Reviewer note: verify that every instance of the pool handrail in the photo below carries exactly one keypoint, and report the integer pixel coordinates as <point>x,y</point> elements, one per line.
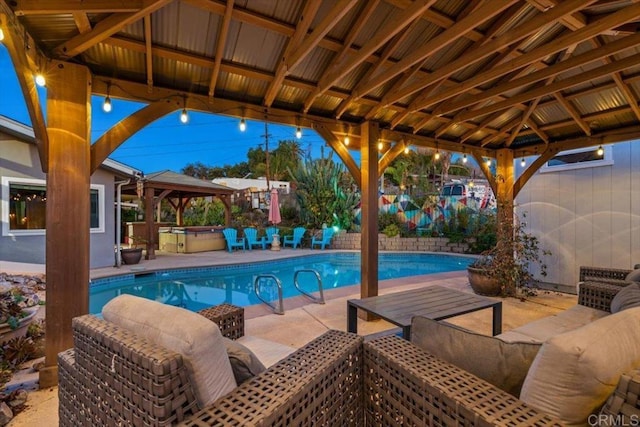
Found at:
<point>279,309</point>
<point>317,300</point>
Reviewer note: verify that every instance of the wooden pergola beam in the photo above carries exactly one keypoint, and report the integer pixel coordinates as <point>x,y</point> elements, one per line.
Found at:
<point>50,7</point>
<point>558,86</point>
<point>15,45</point>
<point>148,51</point>
<point>485,12</point>
<point>126,128</point>
<point>306,18</point>
<point>529,27</point>
<point>222,41</point>
<point>391,28</point>
<point>104,29</point>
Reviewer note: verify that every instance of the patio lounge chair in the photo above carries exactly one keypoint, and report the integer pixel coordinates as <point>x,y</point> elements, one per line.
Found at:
<point>251,234</point>
<point>114,376</point>
<point>233,241</point>
<point>327,234</point>
<point>269,232</point>
<point>295,240</point>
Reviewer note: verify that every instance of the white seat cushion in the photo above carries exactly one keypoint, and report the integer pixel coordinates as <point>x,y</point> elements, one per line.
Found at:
<point>268,352</point>
<point>575,372</point>
<point>196,338</point>
<point>543,329</point>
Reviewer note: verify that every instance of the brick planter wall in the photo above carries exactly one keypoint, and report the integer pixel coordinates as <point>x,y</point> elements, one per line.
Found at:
<point>351,241</point>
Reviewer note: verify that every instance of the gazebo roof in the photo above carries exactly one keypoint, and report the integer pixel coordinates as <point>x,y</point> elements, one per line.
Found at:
<point>468,75</point>
<point>172,183</point>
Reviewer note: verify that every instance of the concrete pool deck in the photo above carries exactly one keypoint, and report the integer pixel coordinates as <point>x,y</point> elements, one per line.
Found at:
<point>303,321</point>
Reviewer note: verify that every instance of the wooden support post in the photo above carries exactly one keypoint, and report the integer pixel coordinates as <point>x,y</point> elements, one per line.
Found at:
<point>148,219</point>
<point>68,209</point>
<point>369,133</point>
<point>505,179</point>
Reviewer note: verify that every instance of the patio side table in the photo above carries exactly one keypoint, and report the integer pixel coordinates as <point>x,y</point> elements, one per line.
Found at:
<point>433,302</point>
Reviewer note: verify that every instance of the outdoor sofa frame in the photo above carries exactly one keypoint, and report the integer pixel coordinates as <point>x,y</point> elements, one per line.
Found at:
<point>112,377</point>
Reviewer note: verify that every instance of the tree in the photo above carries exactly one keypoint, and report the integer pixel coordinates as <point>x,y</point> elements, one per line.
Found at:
<point>325,192</point>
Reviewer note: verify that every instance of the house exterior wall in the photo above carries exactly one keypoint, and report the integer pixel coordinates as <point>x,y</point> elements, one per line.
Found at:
<point>19,159</point>
<point>588,216</point>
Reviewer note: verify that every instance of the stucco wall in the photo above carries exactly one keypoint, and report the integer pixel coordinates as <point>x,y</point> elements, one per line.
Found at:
<point>19,159</point>
<point>587,216</point>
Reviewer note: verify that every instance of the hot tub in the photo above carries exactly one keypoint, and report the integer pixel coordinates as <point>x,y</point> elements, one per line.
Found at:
<point>186,240</point>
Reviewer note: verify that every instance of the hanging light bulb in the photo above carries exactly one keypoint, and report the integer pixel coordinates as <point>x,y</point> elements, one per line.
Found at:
<point>600,151</point>
<point>406,149</point>
<point>523,162</point>
<point>346,140</point>
<point>106,105</point>
<point>40,80</point>
<point>243,125</point>
<point>298,132</point>
<point>488,163</point>
<point>437,155</point>
<point>464,158</point>
<point>184,117</point>
<point>1,35</point>
<point>380,145</point>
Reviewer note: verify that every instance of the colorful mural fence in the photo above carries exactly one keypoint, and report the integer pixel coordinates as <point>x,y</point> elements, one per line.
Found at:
<point>432,212</point>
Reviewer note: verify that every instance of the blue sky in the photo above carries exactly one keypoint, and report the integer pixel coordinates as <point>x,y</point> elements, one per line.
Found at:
<point>166,143</point>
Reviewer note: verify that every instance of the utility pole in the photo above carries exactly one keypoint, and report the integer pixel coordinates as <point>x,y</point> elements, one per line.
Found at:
<point>266,143</point>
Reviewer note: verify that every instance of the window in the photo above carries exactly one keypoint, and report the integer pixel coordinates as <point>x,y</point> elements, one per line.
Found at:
<point>24,204</point>
<point>579,159</point>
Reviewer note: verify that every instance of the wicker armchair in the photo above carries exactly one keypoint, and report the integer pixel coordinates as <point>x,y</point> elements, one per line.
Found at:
<point>615,276</point>
<point>113,377</point>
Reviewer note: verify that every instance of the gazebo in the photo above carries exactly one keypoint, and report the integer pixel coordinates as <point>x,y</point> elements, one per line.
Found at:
<point>492,79</point>
<point>178,190</point>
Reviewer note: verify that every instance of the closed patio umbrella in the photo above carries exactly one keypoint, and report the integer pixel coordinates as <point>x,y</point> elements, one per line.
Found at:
<point>274,217</point>
<point>274,208</point>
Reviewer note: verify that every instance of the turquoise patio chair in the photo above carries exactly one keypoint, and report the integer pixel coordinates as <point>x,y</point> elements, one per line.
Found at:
<point>251,234</point>
<point>233,241</point>
<point>327,234</point>
<point>295,240</point>
<point>270,232</point>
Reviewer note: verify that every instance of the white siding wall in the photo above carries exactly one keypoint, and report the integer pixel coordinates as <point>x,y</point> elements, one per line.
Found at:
<point>587,216</point>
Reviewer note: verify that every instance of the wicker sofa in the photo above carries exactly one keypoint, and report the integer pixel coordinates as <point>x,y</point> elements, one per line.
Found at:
<point>337,379</point>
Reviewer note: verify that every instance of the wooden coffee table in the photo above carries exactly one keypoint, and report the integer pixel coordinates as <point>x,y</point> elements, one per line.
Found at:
<point>433,302</point>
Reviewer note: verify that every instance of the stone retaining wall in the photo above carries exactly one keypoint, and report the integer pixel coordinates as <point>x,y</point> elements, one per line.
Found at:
<point>420,244</point>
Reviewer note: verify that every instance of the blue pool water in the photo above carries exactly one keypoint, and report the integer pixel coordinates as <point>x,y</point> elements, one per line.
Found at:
<point>198,288</point>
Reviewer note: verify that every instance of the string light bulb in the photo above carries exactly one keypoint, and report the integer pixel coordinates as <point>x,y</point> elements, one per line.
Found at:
<point>184,117</point>
<point>406,149</point>
<point>106,105</point>
<point>488,163</point>
<point>40,80</point>
<point>523,162</point>
<point>464,158</point>
<point>380,145</point>
<point>347,140</point>
<point>600,151</point>
<point>298,132</point>
<point>1,35</point>
<point>243,125</point>
<point>437,156</point>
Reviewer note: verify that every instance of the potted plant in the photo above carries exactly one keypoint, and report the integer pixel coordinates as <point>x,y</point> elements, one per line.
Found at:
<point>17,310</point>
<point>132,255</point>
<point>504,269</point>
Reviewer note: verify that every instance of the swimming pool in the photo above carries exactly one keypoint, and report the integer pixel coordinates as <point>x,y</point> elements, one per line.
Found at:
<point>198,288</point>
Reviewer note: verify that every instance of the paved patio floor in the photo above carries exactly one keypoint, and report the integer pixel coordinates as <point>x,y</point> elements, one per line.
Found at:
<point>303,321</point>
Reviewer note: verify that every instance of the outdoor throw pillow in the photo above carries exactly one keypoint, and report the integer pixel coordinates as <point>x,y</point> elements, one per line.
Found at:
<point>196,338</point>
<point>627,297</point>
<point>575,372</point>
<point>244,362</point>
<point>503,364</point>
<point>634,276</point>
